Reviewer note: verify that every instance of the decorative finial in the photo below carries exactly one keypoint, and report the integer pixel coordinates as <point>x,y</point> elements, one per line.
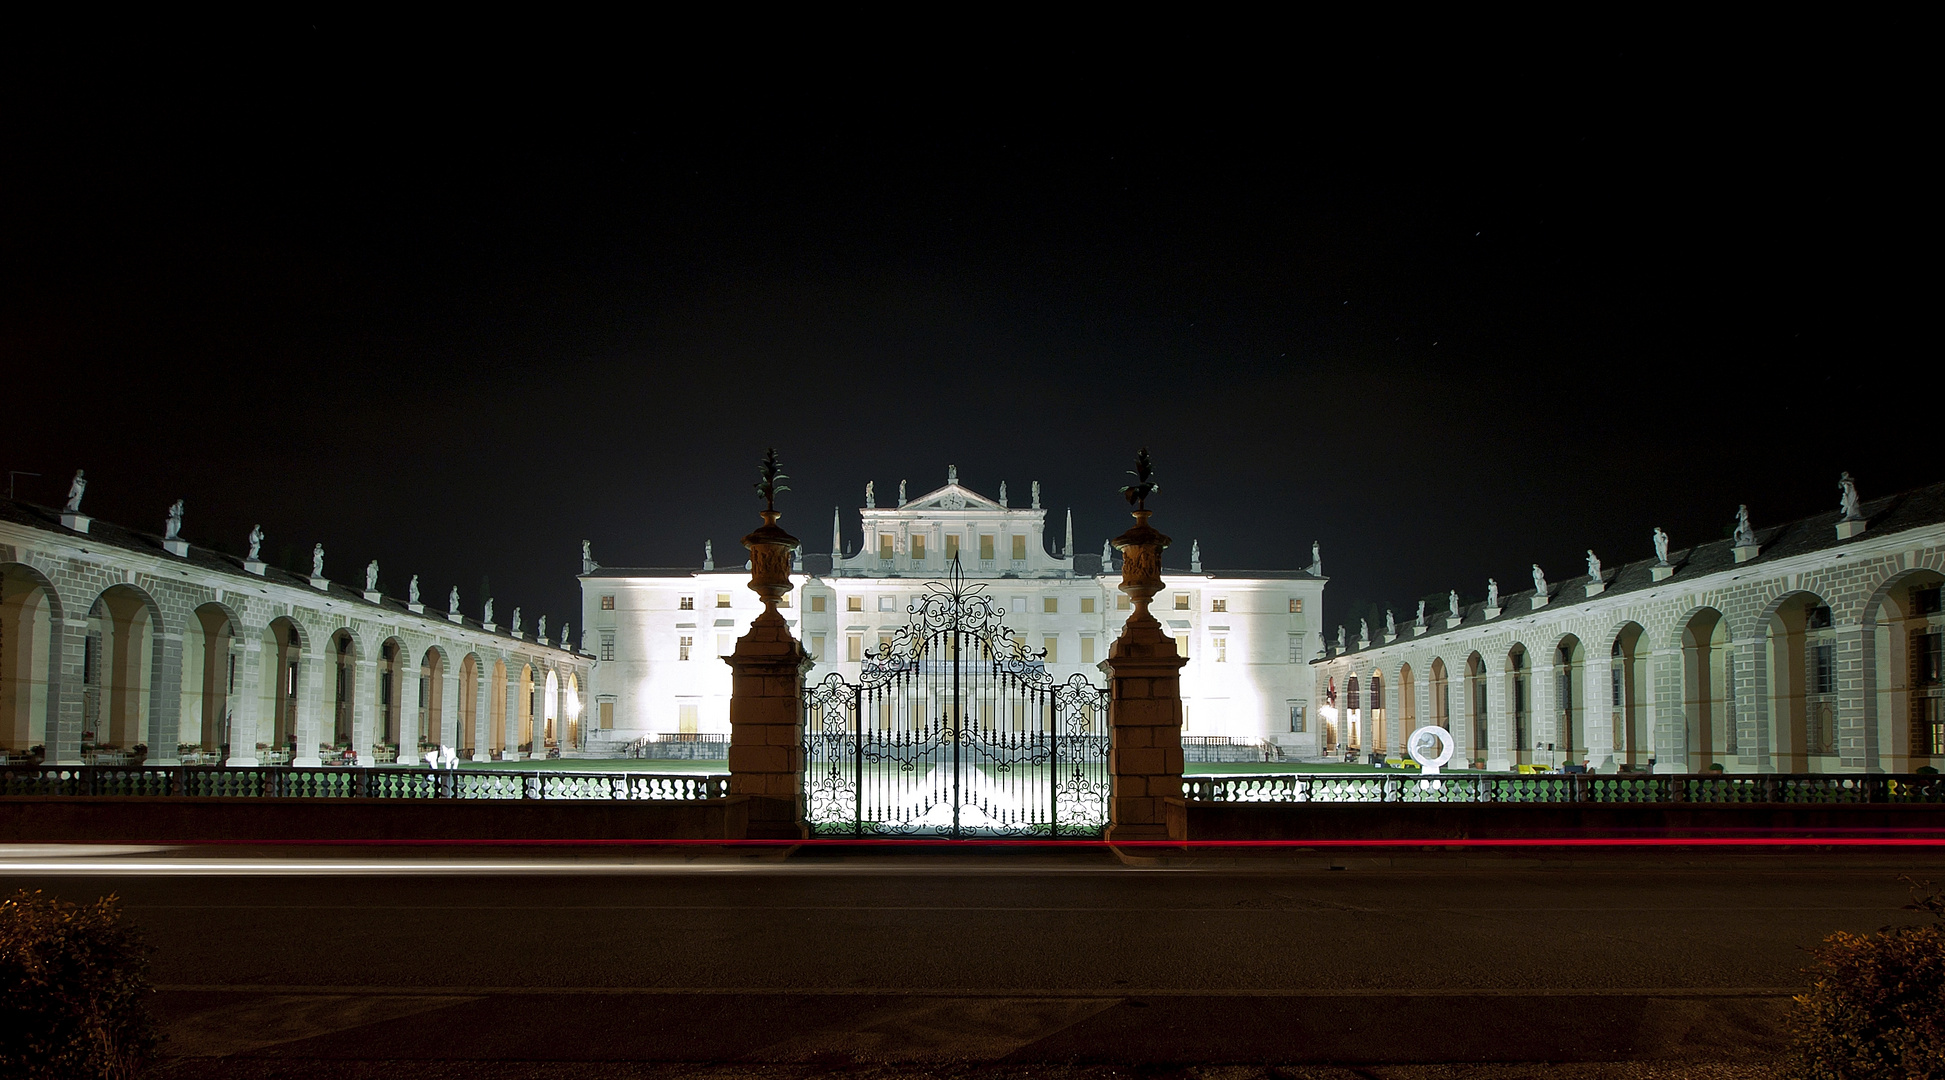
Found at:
<point>1137,493</point>
<point>770,479</point>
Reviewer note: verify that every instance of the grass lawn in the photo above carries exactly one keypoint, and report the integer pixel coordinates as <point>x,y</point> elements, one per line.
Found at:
<point>600,765</point>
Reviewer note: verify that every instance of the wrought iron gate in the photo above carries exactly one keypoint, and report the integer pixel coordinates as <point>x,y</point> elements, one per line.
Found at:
<point>956,729</point>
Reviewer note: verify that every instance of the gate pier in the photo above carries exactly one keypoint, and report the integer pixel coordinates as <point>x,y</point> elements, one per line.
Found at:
<point>1145,704</point>
<point>766,733</point>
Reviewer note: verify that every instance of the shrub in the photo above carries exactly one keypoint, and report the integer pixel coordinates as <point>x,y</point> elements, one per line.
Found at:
<point>1876,1005</point>
<point>73,991</point>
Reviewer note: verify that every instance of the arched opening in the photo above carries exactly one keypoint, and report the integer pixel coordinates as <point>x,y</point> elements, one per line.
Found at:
<point>550,711</point>
<point>496,710</point>
<point>1519,686</point>
<point>282,676</point>
<point>1628,685</point>
<point>388,736</point>
<point>1353,715</point>
<point>1907,619</point>
<point>209,686</point>
<point>1375,719</point>
<point>1708,704</point>
<point>1569,711</point>
<point>28,614</point>
<point>1802,643</point>
<point>469,679</point>
<point>1407,706</point>
<point>1441,695</point>
<point>118,666</point>
<point>527,691</point>
<point>573,707</point>
<point>344,664</point>
<point>1476,705</point>
<point>432,702</point>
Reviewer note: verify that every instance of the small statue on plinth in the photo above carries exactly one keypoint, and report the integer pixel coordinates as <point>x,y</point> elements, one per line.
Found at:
<point>486,616</point>
<point>902,500</point>
<point>1847,503</point>
<point>516,622</point>
<point>317,560</point>
<point>1539,582</point>
<point>871,495</point>
<point>412,590</point>
<point>1492,592</point>
<point>1420,623</point>
<point>1316,559</point>
<point>540,628</point>
<point>1390,624</point>
<point>371,576</point>
<point>587,557</point>
<point>1452,603</point>
<point>256,542</point>
<point>1340,637</point>
<point>1002,493</point>
<point>172,529</point>
<point>952,474</point>
<point>1661,546</point>
<point>1195,556</point>
<point>1745,532</point>
<point>76,488</point>
<point>1036,494</point>
<point>1593,565</point>
<point>452,600</point>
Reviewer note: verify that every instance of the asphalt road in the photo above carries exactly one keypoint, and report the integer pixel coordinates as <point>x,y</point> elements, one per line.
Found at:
<point>831,961</point>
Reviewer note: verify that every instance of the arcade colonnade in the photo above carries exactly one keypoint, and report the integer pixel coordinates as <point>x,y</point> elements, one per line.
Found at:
<point>110,641</point>
<point>1824,660</point>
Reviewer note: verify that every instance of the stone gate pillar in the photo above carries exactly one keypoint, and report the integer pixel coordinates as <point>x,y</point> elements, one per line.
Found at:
<point>766,704</point>
<point>1145,687</point>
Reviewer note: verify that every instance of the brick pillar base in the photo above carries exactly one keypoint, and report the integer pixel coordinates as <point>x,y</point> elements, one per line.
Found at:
<point>766,727</point>
<point>1145,725</point>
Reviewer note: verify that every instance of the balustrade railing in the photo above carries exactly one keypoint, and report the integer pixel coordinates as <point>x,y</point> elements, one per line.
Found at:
<point>353,783</point>
<point>1802,788</point>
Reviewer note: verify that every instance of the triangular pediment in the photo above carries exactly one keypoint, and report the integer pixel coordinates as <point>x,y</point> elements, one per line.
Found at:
<point>952,497</point>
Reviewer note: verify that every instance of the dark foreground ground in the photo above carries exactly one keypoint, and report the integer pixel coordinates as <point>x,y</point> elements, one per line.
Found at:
<point>414,964</point>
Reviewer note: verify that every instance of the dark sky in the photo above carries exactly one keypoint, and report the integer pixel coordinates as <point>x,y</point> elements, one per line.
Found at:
<point>1450,312</point>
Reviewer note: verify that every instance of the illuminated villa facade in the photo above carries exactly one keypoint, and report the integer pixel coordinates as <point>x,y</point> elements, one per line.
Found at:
<point>1813,646</point>
<point>657,633</point>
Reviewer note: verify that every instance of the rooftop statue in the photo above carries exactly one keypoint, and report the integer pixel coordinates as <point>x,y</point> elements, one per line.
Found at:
<point>256,542</point>
<point>1452,603</point>
<point>1745,533</point>
<point>1539,582</point>
<point>1107,555</point>
<point>452,599</point>
<point>412,590</point>
<point>708,554</point>
<point>565,627</point>
<point>173,527</point>
<point>1420,623</point>
<point>317,560</point>
<point>1661,546</point>
<point>1847,503</point>
<point>540,628</point>
<point>1195,556</point>
<point>1036,494</point>
<point>371,576</point>
<point>76,487</point>
<point>902,500</point>
<point>1316,559</point>
<point>516,622</point>
<point>1492,592</point>
<point>1340,639</point>
<point>1002,493</point>
<point>1363,632</point>
<point>1593,565</point>
<point>486,616</point>
<point>1390,624</point>
<point>871,495</point>
<point>587,557</point>
<point>952,474</point>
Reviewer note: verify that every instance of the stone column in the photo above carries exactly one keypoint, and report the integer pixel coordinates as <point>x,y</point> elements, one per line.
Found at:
<point>1755,748</point>
<point>246,704</point>
<point>1597,711</point>
<point>65,695</point>
<point>449,705</point>
<point>1145,707</point>
<point>316,701</point>
<point>1669,719</point>
<point>766,704</point>
<point>165,700</point>
<point>1543,714</point>
<point>364,709</point>
<point>1857,729</point>
<point>1500,752</point>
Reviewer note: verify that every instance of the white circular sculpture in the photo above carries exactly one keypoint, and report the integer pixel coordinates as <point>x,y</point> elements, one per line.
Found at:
<point>1421,741</point>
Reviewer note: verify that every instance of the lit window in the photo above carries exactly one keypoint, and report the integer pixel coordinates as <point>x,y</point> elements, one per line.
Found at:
<point>686,719</point>
<point>918,549</point>
<point>607,646</point>
<point>784,600</point>
<point>1296,605</point>
<point>884,644</point>
<point>1221,648</point>
<point>985,545</point>
<point>1296,648</point>
<point>607,715</point>
<point>951,548</point>
<point>888,603</point>
<point>608,603</point>
<point>1087,650</point>
<point>1050,605</point>
<point>1181,601</point>
<point>1087,605</point>
<point>1182,646</point>
<point>722,599</point>
<point>885,544</point>
<point>817,646</point>
<point>817,603</point>
<point>1019,547</point>
<point>854,647</point>
<point>683,647</point>
<point>1297,712</point>
<point>725,644</point>
<point>1052,645</point>
<point>1122,602</point>
<point>854,603</point>
<point>1219,605</point>
<point>687,603</point>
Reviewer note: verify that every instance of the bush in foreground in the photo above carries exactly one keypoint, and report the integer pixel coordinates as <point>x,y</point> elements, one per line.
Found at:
<point>1876,1005</point>
<point>73,991</point>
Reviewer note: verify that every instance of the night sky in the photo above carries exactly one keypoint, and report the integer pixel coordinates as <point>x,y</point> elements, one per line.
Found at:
<point>1450,318</point>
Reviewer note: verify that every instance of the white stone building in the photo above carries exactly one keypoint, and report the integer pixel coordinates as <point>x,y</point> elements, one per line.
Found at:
<point>1814,646</point>
<point>658,632</point>
<point>112,639</point>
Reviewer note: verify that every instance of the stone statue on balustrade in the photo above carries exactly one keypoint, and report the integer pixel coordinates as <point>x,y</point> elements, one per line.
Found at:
<point>172,528</point>
<point>256,542</point>
<point>412,590</point>
<point>1492,592</point>
<point>371,576</point>
<point>76,488</point>
<point>1745,532</point>
<point>317,560</point>
<point>1847,503</point>
<point>1661,546</point>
